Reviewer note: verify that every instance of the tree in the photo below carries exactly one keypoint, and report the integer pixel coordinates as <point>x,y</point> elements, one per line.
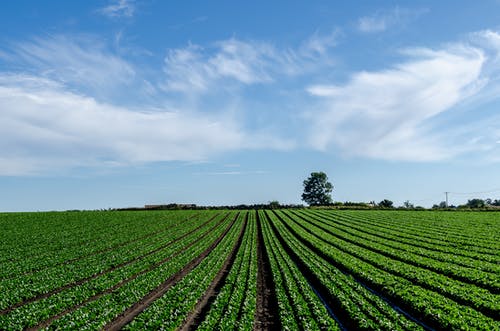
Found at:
<point>385,203</point>
<point>441,205</point>
<point>274,204</point>
<point>475,203</point>
<point>317,189</point>
<point>407,204</point>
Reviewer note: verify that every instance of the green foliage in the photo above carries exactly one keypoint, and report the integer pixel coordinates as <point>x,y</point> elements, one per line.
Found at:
<point>475,203</point>
<point>317,189</point>
<point>407,204</point>
<point>386,204</point>
<point>84,269</point>
<point>274,204</point>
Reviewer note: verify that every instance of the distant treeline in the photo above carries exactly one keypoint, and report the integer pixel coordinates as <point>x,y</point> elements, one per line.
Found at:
<point>472,204</point>
<point>176,206</point>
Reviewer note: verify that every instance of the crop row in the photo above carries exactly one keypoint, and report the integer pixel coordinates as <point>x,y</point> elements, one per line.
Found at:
<point>300,307</point>
<point>106,308</point>
<point>433,230</point>
<point>394,237</point>
<point>383,276</point>
<point>170,310</point>
<point>30,286</point>
<point>93,289</point>
<point>234,306</point>
<point>357,307</point>
<point>395,251</point>
<point>464,293</point>
<point>38,236</point>
<point>119,238</point>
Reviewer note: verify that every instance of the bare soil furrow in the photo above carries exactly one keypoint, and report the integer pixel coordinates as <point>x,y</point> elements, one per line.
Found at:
<point>86,279</point>
<point>117,286</point>
<point>196,316</point>
<point>266,314</point>
<point>128,315</point>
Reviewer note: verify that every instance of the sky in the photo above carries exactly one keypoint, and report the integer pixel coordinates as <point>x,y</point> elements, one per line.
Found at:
<point>119,103</point>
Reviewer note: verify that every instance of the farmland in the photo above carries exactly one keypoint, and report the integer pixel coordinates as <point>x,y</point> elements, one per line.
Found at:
<point>302,269</point>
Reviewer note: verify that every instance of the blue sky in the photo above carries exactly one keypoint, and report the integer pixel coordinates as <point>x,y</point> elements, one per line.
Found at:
<point>122,103</point>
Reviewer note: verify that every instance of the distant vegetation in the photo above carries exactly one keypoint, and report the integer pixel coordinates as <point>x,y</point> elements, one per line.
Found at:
<point>472,204</point>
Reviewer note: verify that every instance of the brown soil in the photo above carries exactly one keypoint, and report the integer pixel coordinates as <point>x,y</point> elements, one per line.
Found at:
<point>266,314</point>
<point>124,318</point>
<point>86,279</point>
<point>196,316</point>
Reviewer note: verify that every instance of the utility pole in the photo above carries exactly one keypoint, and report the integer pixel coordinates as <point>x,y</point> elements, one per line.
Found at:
<point>446,193</point>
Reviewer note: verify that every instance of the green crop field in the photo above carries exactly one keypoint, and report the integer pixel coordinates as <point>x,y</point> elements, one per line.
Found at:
<point>293,269</point>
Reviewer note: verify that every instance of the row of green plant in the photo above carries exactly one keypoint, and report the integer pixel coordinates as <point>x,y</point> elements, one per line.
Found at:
<point>134,232</point>
<point>406,253</point>
<point>170,311</point>
<point>393,235</point>
<point>47,233</point>
<point>91,290</point>
<point>465,293</point>
<point>461,230</point>
<point>381,275</point>
<point>98,313</point>
<point>32,285</point>
<point>299,307</point>
<point>235,304</point>
<point>357,307</point>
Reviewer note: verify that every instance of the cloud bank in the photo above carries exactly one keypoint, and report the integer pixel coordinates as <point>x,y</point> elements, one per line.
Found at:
<point>45,128</point>
<point>70,101</point>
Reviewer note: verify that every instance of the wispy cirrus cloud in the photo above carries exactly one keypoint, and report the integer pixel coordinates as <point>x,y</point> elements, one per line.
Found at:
<point>385,19</point>
<point>391,114</point>
<point>118,8</point>
<point>197,69</point>
<point>82,62</point>
<point>320,44</point>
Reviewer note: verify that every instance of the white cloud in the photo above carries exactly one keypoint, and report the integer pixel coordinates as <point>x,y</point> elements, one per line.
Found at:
<point>385,114</point>
<point>487,38</point>
<point>195,69</point>
<point>385,19</point>
<point>119,8</point>
<point>45,128</point>
<point>320,44</point>
<point>52,115</point>
<point>77,61</point>
<point>372,24</point>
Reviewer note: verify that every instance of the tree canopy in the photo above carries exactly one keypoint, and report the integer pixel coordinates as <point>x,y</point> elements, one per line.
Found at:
<point>317,189</point>
<point>386,203</point>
